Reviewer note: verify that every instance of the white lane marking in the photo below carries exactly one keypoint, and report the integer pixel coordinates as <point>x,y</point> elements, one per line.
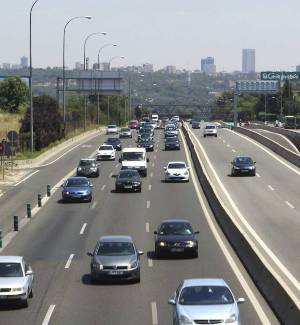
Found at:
<point>271,188</point>
<point>258,175</point>
<point>228,145</point>
<point>83,229</point>
<point>150,262</point>
<point>223,141</point>
<point>148,204</point>
<point>147,227</point>
<point>69,261</point>
<point>153,164</point>
<point>233,150</point>
<point>103,187</point>
<point>151,175</point>
<point>156,150</point>
<point>1,193</point>
<point>154,313</point>
<point>238,273</point>
<point>94,205</point>
<point>48,315</point>
<point>116,165</point>
<point>149,187</point>
<point>278,158</point>
<point>258,239</point>
<point>110,175</point>
<point>25,179</point>
<point>289,204</point>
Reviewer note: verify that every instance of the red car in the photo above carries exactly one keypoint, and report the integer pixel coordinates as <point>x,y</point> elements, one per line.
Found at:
<point>133,125</point>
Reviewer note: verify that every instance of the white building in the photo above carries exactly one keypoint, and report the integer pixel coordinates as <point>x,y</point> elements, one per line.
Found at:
<point>208,66</point>
<point>248,60</point>
<point>78,66</point>
<point>170,69</point>
<point>147,67</point>
<point>6,66</point>
<point>24,62</point>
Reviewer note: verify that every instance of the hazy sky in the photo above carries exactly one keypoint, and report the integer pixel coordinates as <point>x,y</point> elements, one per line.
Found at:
<point>163,32</point>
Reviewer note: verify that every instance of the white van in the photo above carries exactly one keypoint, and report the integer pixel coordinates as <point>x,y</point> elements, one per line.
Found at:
<point>135,158</point>
<point>154,117</point>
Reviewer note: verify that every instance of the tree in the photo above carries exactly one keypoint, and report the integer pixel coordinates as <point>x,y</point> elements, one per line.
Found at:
<point>47,121</point>
<point>13,94</point>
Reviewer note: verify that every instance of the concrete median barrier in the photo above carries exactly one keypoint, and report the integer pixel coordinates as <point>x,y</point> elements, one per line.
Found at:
<point>281,303</point>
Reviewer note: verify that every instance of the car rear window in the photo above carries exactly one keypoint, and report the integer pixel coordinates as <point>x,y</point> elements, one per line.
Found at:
<point>244,160</point>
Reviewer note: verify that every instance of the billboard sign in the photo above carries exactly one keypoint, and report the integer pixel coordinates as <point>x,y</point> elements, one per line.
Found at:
<point>257,87</point>
<point>280,76</point>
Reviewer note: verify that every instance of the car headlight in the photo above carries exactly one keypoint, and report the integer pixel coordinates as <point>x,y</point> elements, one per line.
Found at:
<point>168,174</point>
<point>235,167</point>
<point>251,167</point>
<point>94,169</point>
<point>186,173</point>
<point>231,319</point>
<point>67,193</point>
<point>133,265</point>
<point>79,168</point>
<point>136,183</point>
<point>18,289</point>
<point>97,266</point>
<point>162,244</point>
<point>185,320</point>
<point>190,243</point>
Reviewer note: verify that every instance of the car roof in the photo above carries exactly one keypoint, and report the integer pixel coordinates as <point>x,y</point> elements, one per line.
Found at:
<point>175,221</point>
<point>203,282</point>
<point>91,159</point>
<point>106,145</point>
<point>77,177</point>
<point>114,139</point>
<point>111,125</point>
<point>134,150</point>
<point>11,259</point>
<point>176,162</point>
<point>115,238</point>
<point>237,157</point>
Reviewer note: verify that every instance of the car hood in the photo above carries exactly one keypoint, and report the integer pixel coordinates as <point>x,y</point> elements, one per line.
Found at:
<point>180,171</point>
<point>207,312</point>
<point>175,237</point>
<point>105,152</point>
<point>13,282</point>
<point>77,189</point>
<point>128,179</point>
<point>115,260</point>
<point>138,163</point>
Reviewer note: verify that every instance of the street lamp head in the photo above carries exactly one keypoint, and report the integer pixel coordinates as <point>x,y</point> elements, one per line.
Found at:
<point>88,17</point>
<point>103,33</point>
<point>115,45</point>
<point>122,57</point>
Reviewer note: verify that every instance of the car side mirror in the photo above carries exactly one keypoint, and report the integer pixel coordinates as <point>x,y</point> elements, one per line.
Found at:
<point>240,301</point>
<point>62,185</point>
<point>140,253</point>
<point>165,168</point>
<point>91,185</point>
<point>114,176</point>
<point>120,160</point>
<point>90,254</point>
<point>29,272</point>
<point>172,302</point>
<point>254,162</point>
<point>148,160</point>
<point>197,232</point>
<point>155,232</point>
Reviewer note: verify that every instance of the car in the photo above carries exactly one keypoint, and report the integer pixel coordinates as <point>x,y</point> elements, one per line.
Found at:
<point>195,125</point>
<point>210,130</point>
<point>176,118</point>
<point>147,131</point>
<point>106,151</point>
<point>112,129</point>
<point>177,171</point>
<point>115,257</point>
<point>16,279</point>
<point>205,301</point>
<point>125,133</point>
<point>128,180</point>
<point>170,131</point>
<point>176,236</point>
<point>135,158</point>
<point>192,120</point>
<point>77,189</point>
<point>148,144</point>
<point>172,143</point>
<point>88,167</point>
<point>242,165</point>
<point>115,142</point>
<point>145,137</point>
<point>134,124</point>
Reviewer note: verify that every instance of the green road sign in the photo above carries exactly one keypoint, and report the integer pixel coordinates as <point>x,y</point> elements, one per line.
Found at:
<point>280,76</point>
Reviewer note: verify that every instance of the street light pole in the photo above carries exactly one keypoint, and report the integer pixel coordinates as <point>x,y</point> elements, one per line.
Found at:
<point>101,48</point>
<point>64,46</point>
<point>84,47</point>
<point>30,77</point>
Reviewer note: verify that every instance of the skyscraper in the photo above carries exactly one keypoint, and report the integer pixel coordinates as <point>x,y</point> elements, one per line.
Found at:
<point>208,65</point>
<point>24,62</point>
<point>248,60</point>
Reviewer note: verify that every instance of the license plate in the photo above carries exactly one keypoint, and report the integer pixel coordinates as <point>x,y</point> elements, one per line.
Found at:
<point>115,272</point>
<point>128,186</point>
<point>245,171</point>
<point>176,250</point>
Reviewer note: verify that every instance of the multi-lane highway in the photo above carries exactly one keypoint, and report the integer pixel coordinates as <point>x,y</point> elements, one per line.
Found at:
<point>55,243</point>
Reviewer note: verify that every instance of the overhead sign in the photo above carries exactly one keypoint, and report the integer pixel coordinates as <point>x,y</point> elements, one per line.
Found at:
<point>280,75</point>
<point>257,86</point>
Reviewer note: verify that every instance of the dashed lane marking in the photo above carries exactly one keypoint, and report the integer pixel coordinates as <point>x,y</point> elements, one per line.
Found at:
<point>103,187</point>
<point>69,261</point>
<point>48,315</point>
<point>148,204</point>
<point>150,262</point>
<point>271,188</point>
<point>149,187</point>
<point>147,227</point>
<point>289,204</point>
<point>83,228</point>
<point>154,313</point>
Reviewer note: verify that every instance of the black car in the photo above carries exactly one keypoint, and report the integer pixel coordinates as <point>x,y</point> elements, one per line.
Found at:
<point>172,143</point>
<point>195,125</point>
<point>115,142</point>
<point>243,166</point>
<point>176,236</point>
<point>148,144</point>
<point>145,137</point>
<point>88,168</point>
<point>128,180</point>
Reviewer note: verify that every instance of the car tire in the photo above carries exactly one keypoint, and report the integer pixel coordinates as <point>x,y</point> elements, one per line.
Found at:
<point>97,174</point>
<point>145,173</point>
<point>24,303</point>
<point>204,136</point>
<point>140,190</point>
<point>138,278</point>
<point>31,294</point>
<point>195,254</point>
<point>90,199</point>
<point>216,135</point>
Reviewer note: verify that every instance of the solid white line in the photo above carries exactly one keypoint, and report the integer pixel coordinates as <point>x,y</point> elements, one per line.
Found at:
<point>147,227</point>
<point>150,262</point>
<point>289,204</point>
<point>238,273</point>
<point>110,175</point>
<point>271,188</point>
<point>257,175</point>
<point>25,179</point>
<point>228,145</point>
<point>48,315</point>
<point>154,313</point>
<point>151,175</point>
<point>69,261</point>
<point>94,205</point>
<point>83,228</point>
<point>150,187</point>
<point>148,204</point>
<point>116,165</point>
<point>103,187</point>
<point>233,150</point>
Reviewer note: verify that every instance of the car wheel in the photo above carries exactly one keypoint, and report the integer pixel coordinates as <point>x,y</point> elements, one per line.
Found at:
<point>145,174</point>
<point>140,189</point>
<point>31,293</point>
<point>116,190</point>
<point>195,254</point>
<point>232,173</point>
<point>138,278</point>
<point>90,199</point>
<point>25,303</point>
<point>97,174</point>
<point>204,135</point>
<point>216,135</point>
<point>254,174</point>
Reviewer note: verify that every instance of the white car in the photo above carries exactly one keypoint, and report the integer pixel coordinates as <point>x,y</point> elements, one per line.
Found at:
<point>210,130</point>
<point>112,129</point>
<point>106,151</point>
<point>177,171</point>
<point>16,279</point>
<point>125,133</point>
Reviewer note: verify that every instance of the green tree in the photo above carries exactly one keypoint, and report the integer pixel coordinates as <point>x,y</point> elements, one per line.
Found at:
<point>13,94</point>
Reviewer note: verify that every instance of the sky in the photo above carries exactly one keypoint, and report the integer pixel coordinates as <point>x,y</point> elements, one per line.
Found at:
<point>162,32</point>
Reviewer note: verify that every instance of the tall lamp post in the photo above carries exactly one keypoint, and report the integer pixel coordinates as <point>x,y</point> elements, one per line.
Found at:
<point>64,47</point>
<point>30,77</point>
<point>101,48</point>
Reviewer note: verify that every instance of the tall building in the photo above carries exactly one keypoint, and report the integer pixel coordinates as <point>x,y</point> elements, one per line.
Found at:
<point>24,62</point>
<point>147,67</point>
<point>298,68</point>
<point>78,66</point>
<point>248,60</point>
<point>170,69</point>
<point>208,65</point>
<point>6,66</point>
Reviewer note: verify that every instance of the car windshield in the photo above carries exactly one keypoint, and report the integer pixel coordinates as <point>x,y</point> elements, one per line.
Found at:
<point>128,174</point>
<point>176,166</point>
<point>206,295</point>
<point>10,270</point>
<point>210,127</point>
<point>112,140</point>
<point>125,130</point>
<point>77,182</point>
<point>243,161</point>
<point>84,163</point>
<point>115,249</point>
<point>176,228</point>
<point>112,126</point>
<point>133,156</point>
<point>106,148</point>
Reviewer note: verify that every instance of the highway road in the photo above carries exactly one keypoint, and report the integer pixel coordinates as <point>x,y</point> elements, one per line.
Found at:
<point>269,202</point>
<point>55,243</point>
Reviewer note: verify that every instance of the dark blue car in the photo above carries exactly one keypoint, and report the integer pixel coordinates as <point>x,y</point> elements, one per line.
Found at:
<point>243,166</point>
<point>77,189</point>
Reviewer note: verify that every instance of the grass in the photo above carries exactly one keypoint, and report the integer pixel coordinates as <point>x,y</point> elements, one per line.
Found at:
<point>9,122</point>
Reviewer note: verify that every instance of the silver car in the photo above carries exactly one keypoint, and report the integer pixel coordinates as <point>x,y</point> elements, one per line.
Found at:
<point>205,301</point>
<point>16,279</point>
<point>115,257</point>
